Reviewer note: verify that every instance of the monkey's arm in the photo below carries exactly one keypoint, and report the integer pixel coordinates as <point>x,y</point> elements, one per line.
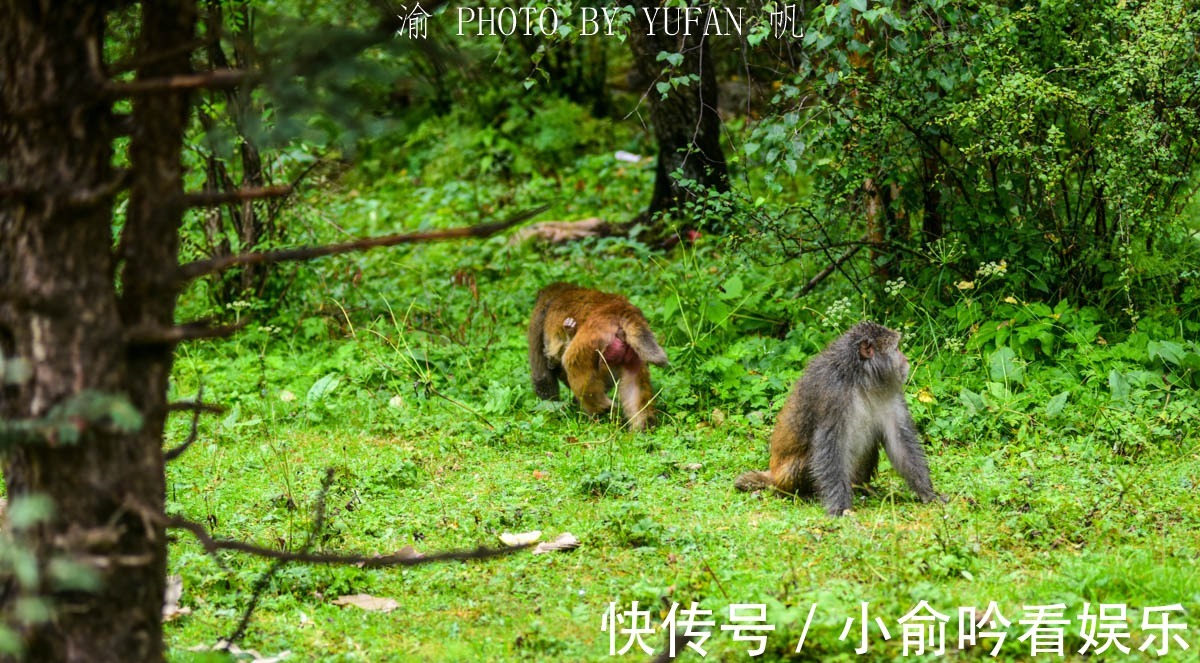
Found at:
<point>545,380</point>
<point>904,451</point>
<point>587,377</point>
<point>829,469</point>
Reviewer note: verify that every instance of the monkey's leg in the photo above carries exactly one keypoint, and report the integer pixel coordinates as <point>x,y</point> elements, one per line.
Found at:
<point>545,382</point>
<point>829,471</point>
<point>905,453</point>
<point>636,396</point>
<point>787,475</point>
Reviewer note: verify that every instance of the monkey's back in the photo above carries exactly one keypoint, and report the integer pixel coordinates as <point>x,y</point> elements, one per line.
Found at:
<point>822,394</point>
<point>597,315</point>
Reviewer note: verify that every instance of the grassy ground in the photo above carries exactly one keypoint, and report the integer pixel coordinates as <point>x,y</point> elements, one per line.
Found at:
<point>438,442</point>
<point>1065,442</point>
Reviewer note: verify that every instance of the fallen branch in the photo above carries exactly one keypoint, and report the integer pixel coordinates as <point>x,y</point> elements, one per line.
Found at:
<point>211,545</point>
<point>560,232</point>
<point>147,335</point>
<point>214,265</point>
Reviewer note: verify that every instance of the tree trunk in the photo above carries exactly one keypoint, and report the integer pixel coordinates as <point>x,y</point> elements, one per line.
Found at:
<point>686,124</point>
<point>65,313</point>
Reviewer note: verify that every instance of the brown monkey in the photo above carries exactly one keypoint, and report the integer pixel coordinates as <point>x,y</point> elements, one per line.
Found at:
<point>849,401</point>
<point>591,340</point>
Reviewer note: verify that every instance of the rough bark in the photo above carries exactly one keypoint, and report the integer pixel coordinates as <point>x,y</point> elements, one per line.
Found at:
<point>107,488</point>
<point>686,124</point>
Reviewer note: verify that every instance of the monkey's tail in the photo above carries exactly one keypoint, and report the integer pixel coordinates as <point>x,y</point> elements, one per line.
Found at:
<point>753,481</point>
<point>642,339</point>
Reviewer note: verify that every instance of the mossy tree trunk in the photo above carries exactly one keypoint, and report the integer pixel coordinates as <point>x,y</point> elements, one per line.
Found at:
<point>685,121</point>
<point>81,311</point>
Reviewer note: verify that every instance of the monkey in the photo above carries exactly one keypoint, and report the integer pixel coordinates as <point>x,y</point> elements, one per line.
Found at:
<point>591,340</point>
<point>848,402</point>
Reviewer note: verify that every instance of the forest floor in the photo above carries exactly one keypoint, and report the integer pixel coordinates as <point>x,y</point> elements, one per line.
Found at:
<point>415,391</point>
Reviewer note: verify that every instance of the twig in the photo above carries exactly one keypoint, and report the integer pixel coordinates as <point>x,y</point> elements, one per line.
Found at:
<point>188,406</point>
<point>213,265</point>
<point>717,580</point>
<point>196,411</point>
<point>829,269</point>
<point>261,584</point>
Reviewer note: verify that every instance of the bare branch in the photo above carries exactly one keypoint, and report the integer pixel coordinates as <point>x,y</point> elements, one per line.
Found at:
<point>82,199</point>
<point>143,60</point>
<point>214,265</point>
<point>194,406</point>
<point>829,269</point>
<point>215,198</point>
<point>369,561</point>
<point>260,585</point>
<point>149,335</point>
<point>224,78</point>
<point>195,432</point>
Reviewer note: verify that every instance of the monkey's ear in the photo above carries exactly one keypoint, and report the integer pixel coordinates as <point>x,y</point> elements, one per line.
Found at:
<point>866,349</point>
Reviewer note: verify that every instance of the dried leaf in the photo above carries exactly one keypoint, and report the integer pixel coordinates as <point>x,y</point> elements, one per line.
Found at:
<point>408,552</point>
<point>242,654</point>
<point>558,232</point>
<point>174,592</point>
<point>368,602</point>
<point>522,539</point>
<point>565,541</point>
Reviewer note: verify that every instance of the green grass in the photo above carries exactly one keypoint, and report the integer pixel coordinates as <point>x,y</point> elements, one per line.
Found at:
<point>1064,439</point>
<point>1052,517</point>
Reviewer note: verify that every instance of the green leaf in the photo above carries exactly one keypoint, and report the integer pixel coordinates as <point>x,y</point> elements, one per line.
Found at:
<point>322,388</point>
<point>1118,385</point>
<point>27,511</point>
<point>733,287</point>
<point>125,418</point>
<point>858,5</point>
<point>674,59</point>
<point>14,370</point>
<point>71,575</point>
<point>1168,351</point>
<point>1055,405</point>
<point>717,312</point>
<point>973,401</point>
<point>1003,367</point>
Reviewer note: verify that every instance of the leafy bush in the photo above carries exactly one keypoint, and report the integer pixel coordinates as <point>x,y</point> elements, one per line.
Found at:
<point>1059,137</point>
